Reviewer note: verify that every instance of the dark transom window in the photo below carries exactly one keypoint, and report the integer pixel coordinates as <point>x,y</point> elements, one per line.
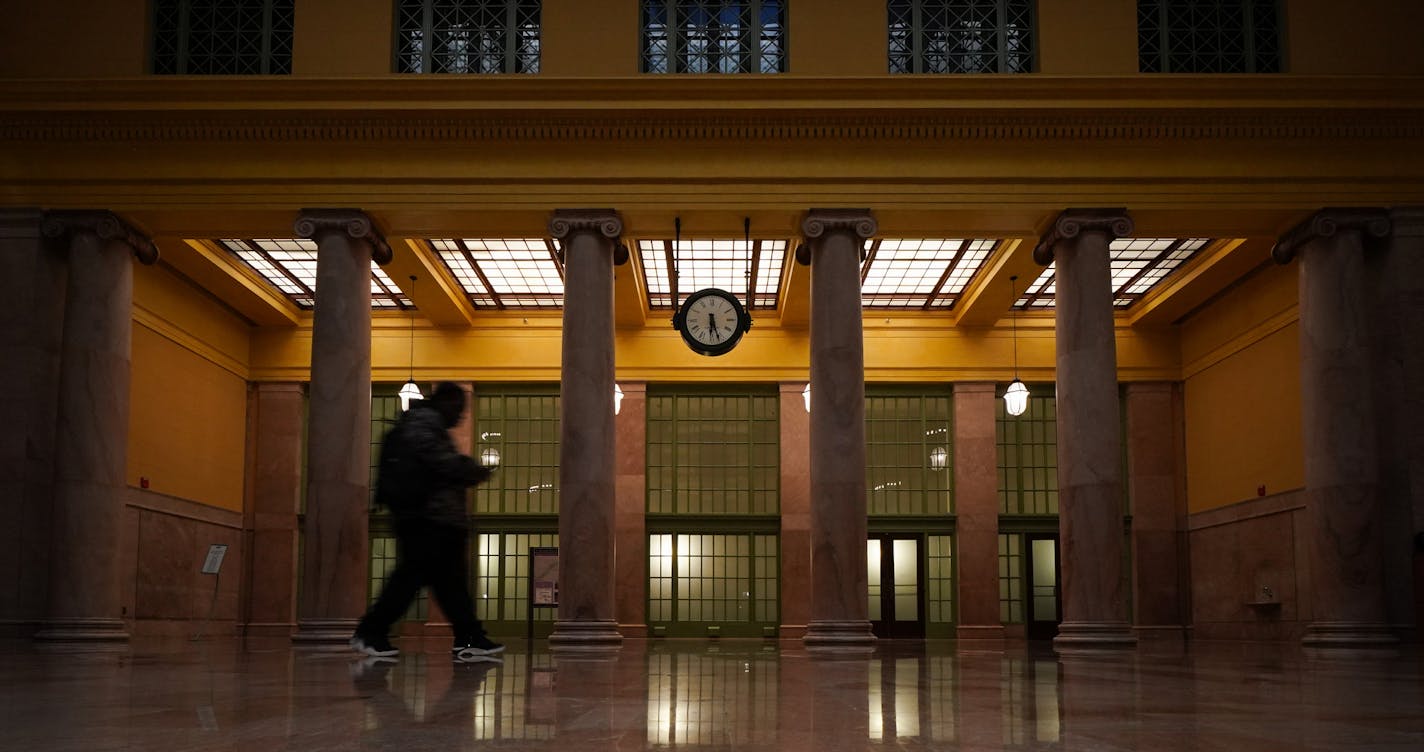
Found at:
<point>467,36</point>
<point>714,36</point>
<point>961,36</point>
<point>1208,36</point>
<point>222,37</point>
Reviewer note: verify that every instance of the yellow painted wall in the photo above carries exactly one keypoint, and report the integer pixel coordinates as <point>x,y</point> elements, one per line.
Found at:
<point>188,392</point>
<point>1359,37</point>
<point>343,38</point>
<point>1087,37</point>
<point>84,39</point>
<point>837,37</point>
<point>1242,393</point>
<point>583,38</point>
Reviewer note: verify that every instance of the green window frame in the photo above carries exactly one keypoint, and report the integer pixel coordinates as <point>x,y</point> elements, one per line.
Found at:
<point>500,580</point>
<point>1011,578</point>
<point>713,453</point>
<point>717,583</point>
<point>1028,455</point>
<point>521,423</point>
<point>909,464</point>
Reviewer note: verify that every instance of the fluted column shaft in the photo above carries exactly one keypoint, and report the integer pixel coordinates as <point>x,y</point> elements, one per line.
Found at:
<point>976,507</point>
<point>1090,507</point>
<point>834,241</point>
<point>336,545</point>
<point>1338,426</point>
<point>587,608</point>
<point>91,434</point>
<point>31,330</point>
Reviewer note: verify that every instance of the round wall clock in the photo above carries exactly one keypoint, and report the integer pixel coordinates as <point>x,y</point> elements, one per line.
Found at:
<point>712,321</point>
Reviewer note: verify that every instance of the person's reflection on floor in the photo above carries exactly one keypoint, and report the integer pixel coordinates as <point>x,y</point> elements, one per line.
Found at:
<point>392,724</point>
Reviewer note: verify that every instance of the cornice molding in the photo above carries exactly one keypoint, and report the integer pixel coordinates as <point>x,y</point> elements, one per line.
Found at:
<point>105,224</point>
<point>353,222</point>
<point>1074,222</point>
<point>1326,223</point>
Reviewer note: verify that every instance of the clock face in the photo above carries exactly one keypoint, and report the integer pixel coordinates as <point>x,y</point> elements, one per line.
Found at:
<point>712,321</point>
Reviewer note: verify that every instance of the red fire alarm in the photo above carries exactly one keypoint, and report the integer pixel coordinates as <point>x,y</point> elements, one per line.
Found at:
<point>142,482</point>
<point>1260,490</point>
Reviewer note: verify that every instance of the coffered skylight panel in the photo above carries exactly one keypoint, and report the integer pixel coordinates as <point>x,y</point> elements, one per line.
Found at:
<point>1136,266</point>
<point>712,262</point>
<point>920,273</point>
<point>289,264</point>
<point>505,272</point>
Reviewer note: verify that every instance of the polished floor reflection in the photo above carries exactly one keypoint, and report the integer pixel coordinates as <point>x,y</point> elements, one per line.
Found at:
<point>711,695</point>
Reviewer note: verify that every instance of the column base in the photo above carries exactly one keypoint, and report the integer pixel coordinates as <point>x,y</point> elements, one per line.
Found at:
<point>1349,635</point>
<point>839,636</point>
<point>324,634</point>
<point>82,630</point>
<point>980,636</point>
<point>586,636</point>
<point>1094,636</point>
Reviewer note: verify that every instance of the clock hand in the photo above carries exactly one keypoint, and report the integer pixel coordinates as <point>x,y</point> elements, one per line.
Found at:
<point>712,324</point>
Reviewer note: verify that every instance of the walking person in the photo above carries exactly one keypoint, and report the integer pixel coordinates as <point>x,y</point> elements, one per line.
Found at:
<point>422,480</point>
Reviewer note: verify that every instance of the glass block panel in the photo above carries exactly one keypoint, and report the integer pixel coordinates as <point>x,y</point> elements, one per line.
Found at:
<point>467,36</point>
<point>1208,36</point>
<point>523,427</point>
<point>909,465</point>
<point>713,36</point>
<point>713,454</point>
<point>960,36</point>
<point>222,37</point>
<point>1028,455</point>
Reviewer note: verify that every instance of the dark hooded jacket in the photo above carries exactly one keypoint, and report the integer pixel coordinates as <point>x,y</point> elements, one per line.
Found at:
<point>422,475</point>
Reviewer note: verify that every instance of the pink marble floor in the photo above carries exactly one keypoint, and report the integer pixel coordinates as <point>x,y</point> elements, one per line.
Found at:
<point>710,695</point>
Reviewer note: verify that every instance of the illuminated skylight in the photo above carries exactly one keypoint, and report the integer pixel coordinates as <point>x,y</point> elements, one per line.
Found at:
<point>289,264</point>
<point>1137,265</point>
<point>920,273</point>
<point>505,272</point>
<point>721,263</point>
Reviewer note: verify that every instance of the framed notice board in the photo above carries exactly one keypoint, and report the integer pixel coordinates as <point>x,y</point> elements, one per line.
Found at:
<point>543,580</point>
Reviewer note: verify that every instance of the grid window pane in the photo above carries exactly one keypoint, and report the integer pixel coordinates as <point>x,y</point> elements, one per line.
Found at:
<point>960,36</point>
<point>523,428</point>
<point>1011,578</point>
<point>1028,456</point>
<point>1208,36</point>
<point>290,265</point>
<point>467,36</point>
<point>1136,265</point>
<point>222,37</point>
<point>920,273</point>
<point>940,570</point>
<point>713,36</point>
<point>707,262</point>
<point>501,577</point>
<point>908,454</point>
<point>505,272</point>
<point>713,454</point>
<point>703,579</point>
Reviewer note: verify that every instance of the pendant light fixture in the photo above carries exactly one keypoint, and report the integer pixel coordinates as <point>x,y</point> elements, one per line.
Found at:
<point>410,391</point>
<point>1016,396</point>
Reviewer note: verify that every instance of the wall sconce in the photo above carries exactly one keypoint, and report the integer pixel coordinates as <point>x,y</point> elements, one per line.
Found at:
<point>489,457</point>
<point>806,395</point>
<point>617,398</point>
<point>939,457</point>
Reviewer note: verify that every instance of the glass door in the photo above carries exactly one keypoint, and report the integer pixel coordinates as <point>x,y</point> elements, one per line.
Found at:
<point>1044,597</point>
<point>894,569</point>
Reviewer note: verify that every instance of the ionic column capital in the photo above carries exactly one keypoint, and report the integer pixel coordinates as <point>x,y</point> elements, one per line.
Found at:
<point>353,222</point>
<point>1327,223</point>
<point>605,222</point>
<point>1074,222</point>
<point>859,222</point>
<point>105,224</point>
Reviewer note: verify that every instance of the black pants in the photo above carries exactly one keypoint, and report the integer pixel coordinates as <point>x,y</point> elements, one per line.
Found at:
<point>433,555</point>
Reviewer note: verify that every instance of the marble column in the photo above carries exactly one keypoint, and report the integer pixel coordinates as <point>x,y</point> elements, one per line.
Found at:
<point>834,249</point>
<point>92,428</point>
<point>1156,489</point>
<point>274,485</point>
<point>976,508</point>
<point>1396,285</point>
<point>795,510</point>
<point>587,617</point>
<point>31,329</point>
<point>1090,510</point>
<point>1338,426</point>
<point>336,541</point>
<point>631,510</point>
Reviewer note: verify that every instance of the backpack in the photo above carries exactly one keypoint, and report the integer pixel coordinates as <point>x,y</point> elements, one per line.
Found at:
<point>401,485</point>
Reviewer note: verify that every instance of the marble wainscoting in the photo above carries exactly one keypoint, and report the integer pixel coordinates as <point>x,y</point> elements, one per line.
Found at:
<point>1250,570</point>
<point>165,540</point>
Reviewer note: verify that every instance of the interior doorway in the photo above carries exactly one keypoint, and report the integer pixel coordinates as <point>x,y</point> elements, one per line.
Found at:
<point>1044,608</point>
<point>895,569</point>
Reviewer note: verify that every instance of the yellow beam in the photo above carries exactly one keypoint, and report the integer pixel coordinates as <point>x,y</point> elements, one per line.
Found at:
<point>795,304</point>
<point>1221,264</point>
<point>227,278</point>
<point>435,293</point>
<point>986,299</point>
<point>630,292</point>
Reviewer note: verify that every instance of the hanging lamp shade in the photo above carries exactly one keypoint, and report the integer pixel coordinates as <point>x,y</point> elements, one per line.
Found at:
<point>1016,398</point>
<point>806,395</point>
<point>939,457</point>
<point>408,393</point>
<point>617,398</point>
